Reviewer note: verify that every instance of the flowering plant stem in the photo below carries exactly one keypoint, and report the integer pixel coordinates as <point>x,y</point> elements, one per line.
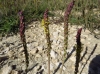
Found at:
<point>78,50</point>
<point>48,47</point>
<point>66,17</point>
<point>45,25</point>
<point>22,35</point>
<point>26,54</point>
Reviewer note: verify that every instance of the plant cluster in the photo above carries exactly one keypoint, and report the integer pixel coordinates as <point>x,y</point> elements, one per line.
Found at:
<point>45,24</point>
<point>35,8</point>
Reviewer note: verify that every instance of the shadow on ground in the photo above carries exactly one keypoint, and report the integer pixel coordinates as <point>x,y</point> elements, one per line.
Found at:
<point>64,61</point>
<point>89,58</point>
<point>94,67</point>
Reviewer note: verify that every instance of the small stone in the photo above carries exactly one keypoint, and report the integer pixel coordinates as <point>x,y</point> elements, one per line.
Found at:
<point>85,73</point>
<point>55,60</point>
<point>10,53</point>
<point>73,67</point>
<point>43,67</point>
<point>53,54</point>
<point>21,49</point>
<point>37,43</point>
<point>61,37</point>
<point>55,34</point>
<point>40,48</point>
<point>14,72</point>
<point>89,38</point>
<point>39,67</point>
<point>97,31</point>
<point>57,64</point>
<point>51,66</point>
<point>29,45</point>
<point>72,58</point>
<point>23,67</point>
<point>5,50</point>
<point>70,50</point>
<point>58,42</point>
<point>6,69</point>
<point>84,60</point>
<point>7,44</point>
<point>62,52</point>
<point>64,68</point>
<point>82,40</point>
<point>54,41</point>
<point>38,56</point>
<point>87,31</point>
<point>33,51</point>
<point>88,43</point>
<point>62,28</point>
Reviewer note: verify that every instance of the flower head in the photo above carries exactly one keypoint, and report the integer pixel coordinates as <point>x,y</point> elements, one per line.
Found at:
<point>68,10</point>
<point>22,25</point>
<point>46,15</point>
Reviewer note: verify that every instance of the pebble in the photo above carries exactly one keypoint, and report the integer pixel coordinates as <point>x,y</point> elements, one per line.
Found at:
<point>97,31</point>
<point>14,72</point>
<point>33,51</point>
<point>53,54</point>
<point>40,48</point>
<point>55,34</point>
<point>57,64</point>
<point>64,68</point>
<point>5,50</point>
<point>37,55</point>
<point>10,54</point>
<point>55,41</point>
<point>72,58</point>
<point>21,49</point>
<point>51,66</point>
<point>6,69</point>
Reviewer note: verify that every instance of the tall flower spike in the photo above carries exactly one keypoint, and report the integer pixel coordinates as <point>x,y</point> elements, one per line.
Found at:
<point>22,25</point>
<point>78,49</point>
<point>45,24</point>
<point>46,15</point>
<point>68,10</point>
<point>66,16</point>
<point>22,35</point>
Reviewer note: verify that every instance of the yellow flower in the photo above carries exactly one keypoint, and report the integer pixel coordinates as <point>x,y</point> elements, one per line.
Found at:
<point>43,22</point>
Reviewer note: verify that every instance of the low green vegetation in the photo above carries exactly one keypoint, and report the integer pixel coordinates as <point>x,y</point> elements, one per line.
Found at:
<point>84,12</point>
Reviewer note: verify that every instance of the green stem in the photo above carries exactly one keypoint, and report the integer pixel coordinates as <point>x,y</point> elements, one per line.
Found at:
<point>48,46</point>
<point>26,54</point>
